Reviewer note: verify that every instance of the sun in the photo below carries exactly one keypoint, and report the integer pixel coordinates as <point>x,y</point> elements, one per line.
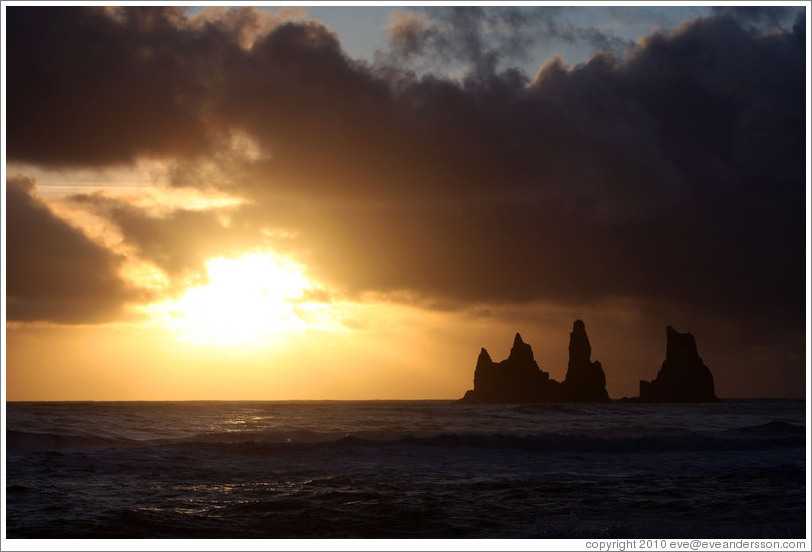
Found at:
<point>246,297</point>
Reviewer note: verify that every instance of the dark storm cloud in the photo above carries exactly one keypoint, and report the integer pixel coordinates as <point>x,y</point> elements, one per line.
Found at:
<point>54,272</point>
<point>88,86</point>
<point>675,172</point>
<point>769,16</point>
<point>480,38</point>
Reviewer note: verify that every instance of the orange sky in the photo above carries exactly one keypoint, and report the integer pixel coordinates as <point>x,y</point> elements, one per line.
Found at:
<point>225,205</point>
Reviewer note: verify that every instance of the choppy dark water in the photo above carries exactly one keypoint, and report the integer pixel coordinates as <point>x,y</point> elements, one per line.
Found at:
<point>405,469</point>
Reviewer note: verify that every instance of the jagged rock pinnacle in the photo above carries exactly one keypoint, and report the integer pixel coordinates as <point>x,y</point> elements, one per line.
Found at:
<point>521,352</point>
<point>484,357</point>
<point>517,379</point>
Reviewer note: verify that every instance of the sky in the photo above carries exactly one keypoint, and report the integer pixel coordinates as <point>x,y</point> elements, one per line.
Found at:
<point>329,202</point>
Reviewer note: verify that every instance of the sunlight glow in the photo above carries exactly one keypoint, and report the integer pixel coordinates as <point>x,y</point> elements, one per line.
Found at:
<point>245,298</point>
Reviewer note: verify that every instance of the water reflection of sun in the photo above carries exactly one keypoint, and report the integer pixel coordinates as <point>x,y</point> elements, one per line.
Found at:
<point>245,298</point>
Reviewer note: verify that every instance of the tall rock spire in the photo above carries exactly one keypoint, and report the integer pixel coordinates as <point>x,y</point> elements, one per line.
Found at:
<point>580,350</point>
<point>585,381</point>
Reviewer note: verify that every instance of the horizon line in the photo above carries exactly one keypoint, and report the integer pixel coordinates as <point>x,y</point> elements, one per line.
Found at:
<point>611,400</point>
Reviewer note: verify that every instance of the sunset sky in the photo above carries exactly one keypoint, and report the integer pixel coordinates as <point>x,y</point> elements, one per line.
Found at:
<point>348,202</point>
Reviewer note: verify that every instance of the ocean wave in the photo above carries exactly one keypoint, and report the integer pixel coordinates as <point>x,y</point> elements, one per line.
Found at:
<point>20,442</point>
<point>533,444</point>
<point>324,470</point>
<point>759,437</point>
<point>770,430</point>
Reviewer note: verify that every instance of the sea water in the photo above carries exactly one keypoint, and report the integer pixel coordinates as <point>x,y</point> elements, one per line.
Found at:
<point>405,469</point>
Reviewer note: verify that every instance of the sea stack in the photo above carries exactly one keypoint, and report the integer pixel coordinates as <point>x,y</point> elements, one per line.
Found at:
<point>585,381</point>
<point>517,379</point>
<point>683,376</point>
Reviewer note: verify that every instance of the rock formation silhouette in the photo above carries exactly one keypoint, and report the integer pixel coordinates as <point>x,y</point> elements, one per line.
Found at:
<point>683,376</point>
<point>585,381</point>
<point>519,379</point>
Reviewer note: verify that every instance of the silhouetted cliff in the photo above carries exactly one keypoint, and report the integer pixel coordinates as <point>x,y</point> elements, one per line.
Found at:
<point>683,376</point>
<point>519,379</point>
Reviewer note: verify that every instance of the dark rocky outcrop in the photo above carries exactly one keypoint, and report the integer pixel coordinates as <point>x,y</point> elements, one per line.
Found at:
<point>519,379</point>
<point>683,376</point>
<point>585,381</point>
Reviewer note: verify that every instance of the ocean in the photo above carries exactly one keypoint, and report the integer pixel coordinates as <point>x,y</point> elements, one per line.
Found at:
<point>405,470</point>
